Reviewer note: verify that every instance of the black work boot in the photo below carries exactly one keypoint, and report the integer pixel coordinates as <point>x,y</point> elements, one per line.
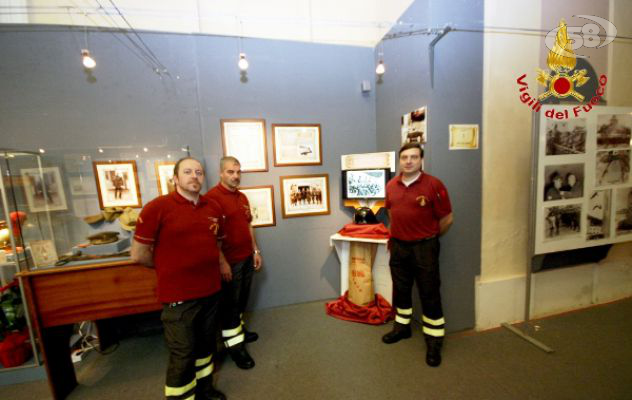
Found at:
<point>399,332</point>
<point>250,337</point>
<point>205,390</point>
<point>240,356</point>
<point>433,350</point>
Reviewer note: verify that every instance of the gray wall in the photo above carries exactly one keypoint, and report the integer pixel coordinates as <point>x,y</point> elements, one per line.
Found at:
<point>455,99</point>
<point>49,102</point>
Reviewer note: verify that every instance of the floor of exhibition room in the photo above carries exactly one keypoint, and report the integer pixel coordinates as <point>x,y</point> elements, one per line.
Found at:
<point>303,353</point>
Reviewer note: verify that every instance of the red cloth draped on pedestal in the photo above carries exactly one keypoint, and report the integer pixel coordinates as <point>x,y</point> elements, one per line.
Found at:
<point>376,312</point>
<point>375,231</point>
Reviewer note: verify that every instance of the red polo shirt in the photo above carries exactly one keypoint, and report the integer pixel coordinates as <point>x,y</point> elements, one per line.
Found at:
<point>237,245</point>
<point>184,236</point>
<point>416,209</point>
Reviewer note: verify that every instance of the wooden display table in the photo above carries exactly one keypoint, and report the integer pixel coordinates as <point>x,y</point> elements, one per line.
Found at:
<point>59,297</point>
<point>381,271</point>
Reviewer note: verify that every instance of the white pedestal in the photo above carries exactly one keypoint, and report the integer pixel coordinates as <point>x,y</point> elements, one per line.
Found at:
<point>381,272</point>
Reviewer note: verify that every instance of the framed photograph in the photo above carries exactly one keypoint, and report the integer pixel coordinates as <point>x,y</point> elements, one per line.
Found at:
<point>164,177</point>
<point>261,199</point>
<point>43,252</point>
<point>623,219</point>
<point>117,184</point>
<point>562,222</point>
<point>614,131</point>
<point>565,137</point>
<point>81,185</point>
<point>563,182</point>
<point>414,127</point>
<point>245,139</point>
<point>598,215</point>
<point>44,189</point>
<point>304,195</point>
<point>463,137</point>
<point>612,167</point>
<point>296,144</point>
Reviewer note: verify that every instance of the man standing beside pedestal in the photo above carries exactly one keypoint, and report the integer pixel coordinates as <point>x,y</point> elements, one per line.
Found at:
<point>419,212</point>
<point>239,259</point>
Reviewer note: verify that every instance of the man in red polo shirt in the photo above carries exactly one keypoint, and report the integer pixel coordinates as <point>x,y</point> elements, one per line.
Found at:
<point>177,233</point>
<point>419,212</point>
<point>239,258</point>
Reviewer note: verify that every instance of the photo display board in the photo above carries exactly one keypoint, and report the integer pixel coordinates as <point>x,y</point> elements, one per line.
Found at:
<point>584,190</point>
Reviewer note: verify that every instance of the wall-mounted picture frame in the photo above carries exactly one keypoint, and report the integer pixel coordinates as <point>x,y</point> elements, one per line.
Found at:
<point>117,184</point>
<point>304,195</point>
<point>296,144</point>
<point>164,177</point>
<point>414,126</point>
<point>245,139</point>
<point>463,136</point>
<point>44,189</point>
<point>583,185</point>
<point>261,199</point>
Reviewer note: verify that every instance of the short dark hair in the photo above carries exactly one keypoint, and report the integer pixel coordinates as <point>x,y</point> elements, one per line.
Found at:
<point>555,175</point>
<point>176,168</point>
<point>412,145</point>
<point>225,159</point>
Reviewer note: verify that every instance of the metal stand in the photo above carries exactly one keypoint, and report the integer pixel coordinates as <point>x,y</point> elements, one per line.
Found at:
<point>531,245</point>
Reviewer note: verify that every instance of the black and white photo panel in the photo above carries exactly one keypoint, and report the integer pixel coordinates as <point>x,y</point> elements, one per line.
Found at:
<point>623,218</point>
<point>565,181</point>
<point>562,222</point>
<point>565,137</point>
<point>612,167</point>
<point>598,215</point>
<point>614,131</point>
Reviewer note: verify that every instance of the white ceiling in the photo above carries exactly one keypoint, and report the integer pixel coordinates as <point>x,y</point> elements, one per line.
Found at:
<point>348,22</point>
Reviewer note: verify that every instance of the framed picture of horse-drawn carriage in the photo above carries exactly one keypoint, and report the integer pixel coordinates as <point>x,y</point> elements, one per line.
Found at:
<point>296,144</point>
<point>304,195</point>
<point>261,200</point>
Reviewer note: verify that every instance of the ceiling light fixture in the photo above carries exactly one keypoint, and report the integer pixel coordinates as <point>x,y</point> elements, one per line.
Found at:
<point>380,69</point>
<point>87,60</point>
<point>243,62</point>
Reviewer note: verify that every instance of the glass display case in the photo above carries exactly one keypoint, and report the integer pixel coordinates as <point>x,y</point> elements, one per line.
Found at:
<point>17,341</point>
<point>79,207</point>
<point>70,208</point>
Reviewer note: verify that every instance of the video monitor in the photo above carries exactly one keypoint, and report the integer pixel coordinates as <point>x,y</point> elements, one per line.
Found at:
<point>365,183</point>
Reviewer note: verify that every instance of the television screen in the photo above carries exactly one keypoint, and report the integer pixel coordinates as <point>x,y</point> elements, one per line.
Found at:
<point>365,183</point>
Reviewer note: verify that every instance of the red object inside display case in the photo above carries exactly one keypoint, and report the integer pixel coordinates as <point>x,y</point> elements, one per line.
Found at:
<point>15,349</point>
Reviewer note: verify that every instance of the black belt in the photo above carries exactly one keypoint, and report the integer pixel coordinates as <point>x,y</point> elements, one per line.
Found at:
<point>413,242</point>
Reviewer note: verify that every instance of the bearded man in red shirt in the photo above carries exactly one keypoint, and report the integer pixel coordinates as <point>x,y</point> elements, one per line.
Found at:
<point>178,235</point>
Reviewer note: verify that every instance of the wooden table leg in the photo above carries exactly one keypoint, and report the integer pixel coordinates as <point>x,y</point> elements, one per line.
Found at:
<point>59,368</point>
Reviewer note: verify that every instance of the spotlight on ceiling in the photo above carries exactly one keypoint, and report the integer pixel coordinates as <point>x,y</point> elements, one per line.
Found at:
<point>242,63</point>
<point>87,60</point>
